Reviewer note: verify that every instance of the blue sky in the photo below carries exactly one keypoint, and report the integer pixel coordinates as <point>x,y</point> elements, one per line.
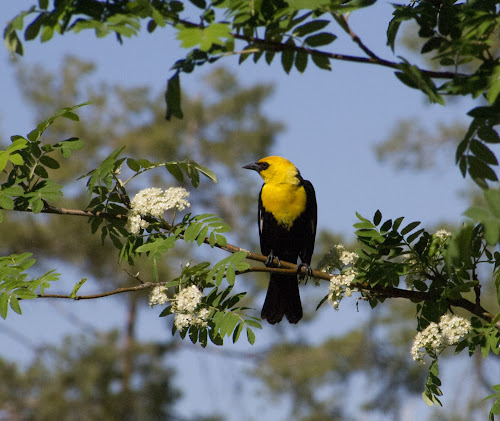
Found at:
<point>333,120</point>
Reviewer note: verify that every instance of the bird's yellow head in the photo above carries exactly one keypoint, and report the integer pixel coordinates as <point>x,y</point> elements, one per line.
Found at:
<point>275,170</point>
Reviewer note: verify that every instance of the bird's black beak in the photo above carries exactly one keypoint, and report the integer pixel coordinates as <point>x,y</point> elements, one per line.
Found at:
<point>254,166</point>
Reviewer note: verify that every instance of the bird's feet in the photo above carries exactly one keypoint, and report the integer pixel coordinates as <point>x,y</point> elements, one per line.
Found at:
<point>308,271</point>
<point>270,260</point>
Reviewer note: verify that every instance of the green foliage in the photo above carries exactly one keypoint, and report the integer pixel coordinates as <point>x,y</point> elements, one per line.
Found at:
<point>15,285</point>
<point>205,227</point>
<point>226,320</point>
<point>29,188</point>
<point>489,217</point>
<point>28,185</point>
<point>495,409</point>
<point>81,374</point>
<point>432,390</point>
<point>228,267</point>
<point>440,270</point>
<point>473,155</point>
<point>455,34</point>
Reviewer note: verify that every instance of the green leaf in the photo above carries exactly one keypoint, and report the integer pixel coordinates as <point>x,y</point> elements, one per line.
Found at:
<point>488,134</point>
<point>216,33</point>
<point>4,305</point>
<point>410,227</point>
<point>309,27</point>
<point>413,77</point>
<point>18,143</point>
<point>12,42</point>
<point>478,169</point>
<point>14,304</point>
<point>76,288</point>
<point>484,112</point>
<point>287,57</point>
<point>323,38</point>
<point>4,158</point>
<point>411,238</point>
<point>250,336</point>
<point>174,169</point>
<point>322,61</point>
<point>16,159</point>
<point>49,162</point>
<point>493,200</point>
<point>157,246</point>
<point>386,226</point>
<point>477,214</point>
<point>301,61</point>
<point>491,231</point>
<point>230,275</point>
<point>47,33</point>
<point>6,203</point>
<point>133,165</point>
<point>237,332</point>
<point>173,98</point>
<point>493,85</point>
<point>483,152</point>
<point>377,218</point>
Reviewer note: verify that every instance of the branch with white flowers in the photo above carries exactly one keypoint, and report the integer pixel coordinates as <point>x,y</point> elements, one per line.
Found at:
<point>378,291</point>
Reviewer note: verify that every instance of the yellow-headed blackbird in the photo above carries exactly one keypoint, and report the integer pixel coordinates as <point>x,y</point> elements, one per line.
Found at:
<point>287,228</point>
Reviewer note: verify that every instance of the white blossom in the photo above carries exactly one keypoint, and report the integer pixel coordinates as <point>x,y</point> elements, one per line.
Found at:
<point>158,296</point>
<point>154,202</point>
<point>454,328</point>
<point>340,286</point>
<point>182,320</point>
<point>188,299</point>
<point>436,337</point>
<point>429,338</point>
<point>442,235</point>
<point>185,306</point>
<point>348,257</point>
<point>201,319</point>
<point>135,223</point>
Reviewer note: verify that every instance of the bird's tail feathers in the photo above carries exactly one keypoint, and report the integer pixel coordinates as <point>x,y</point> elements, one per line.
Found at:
<point>282,299</point>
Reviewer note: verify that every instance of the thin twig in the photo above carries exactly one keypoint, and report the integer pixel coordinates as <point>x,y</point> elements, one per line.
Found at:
<point>341,19</point>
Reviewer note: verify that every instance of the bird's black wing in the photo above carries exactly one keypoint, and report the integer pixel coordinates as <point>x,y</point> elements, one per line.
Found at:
<point>309,223</point>
<point>263,219</point>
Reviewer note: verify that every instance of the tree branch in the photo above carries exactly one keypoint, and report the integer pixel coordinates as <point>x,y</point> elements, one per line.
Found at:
<point>371,59</point>
<point>285,268</point>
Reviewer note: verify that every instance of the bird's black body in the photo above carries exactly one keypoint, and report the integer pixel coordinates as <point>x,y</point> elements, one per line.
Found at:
<point>287,228</point>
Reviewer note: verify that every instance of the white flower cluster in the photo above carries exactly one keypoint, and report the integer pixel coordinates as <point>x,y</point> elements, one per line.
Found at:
<point>340,286</point>
<point>154,202</point>
<point>200,318</point>
<point>442,235</point>
<point>187,299</point>
<point>158,296</point>
<point>436,337</point>
<point>185,305</point>
<point>346,257</point>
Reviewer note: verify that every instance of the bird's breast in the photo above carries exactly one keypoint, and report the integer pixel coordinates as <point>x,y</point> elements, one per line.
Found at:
<point>285,202</point>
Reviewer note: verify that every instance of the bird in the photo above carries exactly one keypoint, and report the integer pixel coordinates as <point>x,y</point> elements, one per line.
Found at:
<point>287,217</point>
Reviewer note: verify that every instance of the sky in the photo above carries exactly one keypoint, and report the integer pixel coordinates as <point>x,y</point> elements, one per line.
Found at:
<point>333,120</point>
